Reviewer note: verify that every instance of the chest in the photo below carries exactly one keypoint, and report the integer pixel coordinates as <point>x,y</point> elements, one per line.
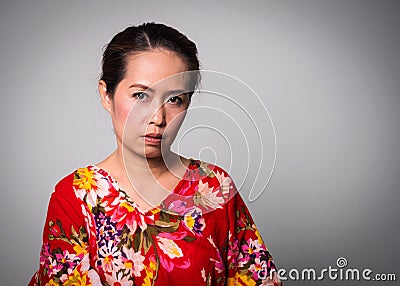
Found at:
<point>160,248</point>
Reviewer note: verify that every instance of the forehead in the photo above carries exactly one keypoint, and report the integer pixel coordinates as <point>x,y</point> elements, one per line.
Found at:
<point>153,66</point>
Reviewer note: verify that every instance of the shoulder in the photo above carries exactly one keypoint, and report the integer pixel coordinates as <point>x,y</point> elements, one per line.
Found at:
<point>65,182</point>
<point>208,169</point>
<point>64,187</point>
<point>214,185</point>
<point>64,204</point>
<point>80,179</point>
<point>218,175</point>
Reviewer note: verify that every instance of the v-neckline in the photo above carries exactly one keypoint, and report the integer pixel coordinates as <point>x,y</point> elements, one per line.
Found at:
<point>135,205</point>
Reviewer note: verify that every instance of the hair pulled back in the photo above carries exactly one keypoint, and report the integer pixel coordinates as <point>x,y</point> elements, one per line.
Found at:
<point>141,38</point>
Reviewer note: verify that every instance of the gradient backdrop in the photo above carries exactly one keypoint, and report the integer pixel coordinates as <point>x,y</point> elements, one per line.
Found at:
<point>328,72</point>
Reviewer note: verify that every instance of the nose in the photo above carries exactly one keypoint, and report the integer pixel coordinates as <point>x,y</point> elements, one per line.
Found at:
<point>158,117</point>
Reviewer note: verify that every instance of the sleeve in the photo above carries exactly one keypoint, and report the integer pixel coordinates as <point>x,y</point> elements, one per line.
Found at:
<point>249,261</point>
<point>65,252</point>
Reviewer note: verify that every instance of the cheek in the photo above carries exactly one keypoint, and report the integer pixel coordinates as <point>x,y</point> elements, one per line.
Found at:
<point>175,120</point>
<point>130,114</point>
<point>122,113</point>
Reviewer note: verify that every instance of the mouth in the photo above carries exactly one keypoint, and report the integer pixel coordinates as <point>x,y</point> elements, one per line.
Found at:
<point>154,135</point>
<point>153,138</point>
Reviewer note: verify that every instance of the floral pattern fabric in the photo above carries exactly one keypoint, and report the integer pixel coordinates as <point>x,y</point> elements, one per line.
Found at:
<point>201,234</point>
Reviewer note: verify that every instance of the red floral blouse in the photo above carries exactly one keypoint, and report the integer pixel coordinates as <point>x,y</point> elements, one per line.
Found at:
<point>201,234</point>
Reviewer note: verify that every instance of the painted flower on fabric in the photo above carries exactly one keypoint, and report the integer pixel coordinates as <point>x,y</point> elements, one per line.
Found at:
<point>150,269</point>
<point>52,283</point>
<point>233,249</point>
<point>206,197</point>
<point>133,261</point>
<point>169,247</point>
<point>85,183</point>
<point>77,278</point>
<point>85,179</point>
<point>194,221</point>
<point>206,169</point>
<point>257,267</point>
<point>109,255</point>
<point>104,184</point>
<point>66,259</point>
<point>266,261</point>
<point>88,218</point>
<point>94,277</point>
<point>53,267</point>
<point>118,278</point>
<point>249,250</point>
<point>45,253</point>
<point>112,198</point>
<point>125,214</point>
<point>241,279</point>
<point>171,254</point>
<point>224,181</point>
<point>106,230</point>
<point>203,274</point>
<point>259,238</point>
<point>219,265</point>
<point>206,277</point>
<point>178,206</point>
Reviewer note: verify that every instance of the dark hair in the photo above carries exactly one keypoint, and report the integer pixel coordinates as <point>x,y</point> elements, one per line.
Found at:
<point>146,37</point>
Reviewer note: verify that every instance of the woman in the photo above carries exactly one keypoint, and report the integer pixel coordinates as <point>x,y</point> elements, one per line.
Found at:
<point>145,215</point>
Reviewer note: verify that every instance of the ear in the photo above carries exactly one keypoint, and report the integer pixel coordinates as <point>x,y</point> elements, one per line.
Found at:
<point>106,100</point>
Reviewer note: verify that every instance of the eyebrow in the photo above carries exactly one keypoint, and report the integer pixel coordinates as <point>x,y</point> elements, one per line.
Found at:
<point>170,92</point>
<point>142,86</point>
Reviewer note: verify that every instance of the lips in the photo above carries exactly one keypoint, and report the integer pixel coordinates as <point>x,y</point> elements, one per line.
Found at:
<point>154,135</point>
<point>153,138</point>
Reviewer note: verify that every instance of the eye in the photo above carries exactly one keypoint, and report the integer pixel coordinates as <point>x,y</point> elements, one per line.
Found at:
<point>142,96</point>
<point>176,100</point>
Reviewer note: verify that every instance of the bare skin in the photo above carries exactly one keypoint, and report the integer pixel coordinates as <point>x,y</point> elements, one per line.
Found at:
<point>114,165</point>
<point>152,171</point>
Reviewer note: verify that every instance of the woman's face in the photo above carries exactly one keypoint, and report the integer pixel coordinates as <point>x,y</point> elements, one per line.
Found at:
<point>152,98</point>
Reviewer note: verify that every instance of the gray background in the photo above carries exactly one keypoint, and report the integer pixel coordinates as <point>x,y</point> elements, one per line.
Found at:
<point>328,71</point>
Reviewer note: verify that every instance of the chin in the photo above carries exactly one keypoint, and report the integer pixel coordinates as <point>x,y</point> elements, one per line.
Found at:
<point>149,154</point>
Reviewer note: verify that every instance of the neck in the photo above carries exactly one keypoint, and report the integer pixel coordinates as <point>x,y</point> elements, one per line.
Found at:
<point>141,167</point>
